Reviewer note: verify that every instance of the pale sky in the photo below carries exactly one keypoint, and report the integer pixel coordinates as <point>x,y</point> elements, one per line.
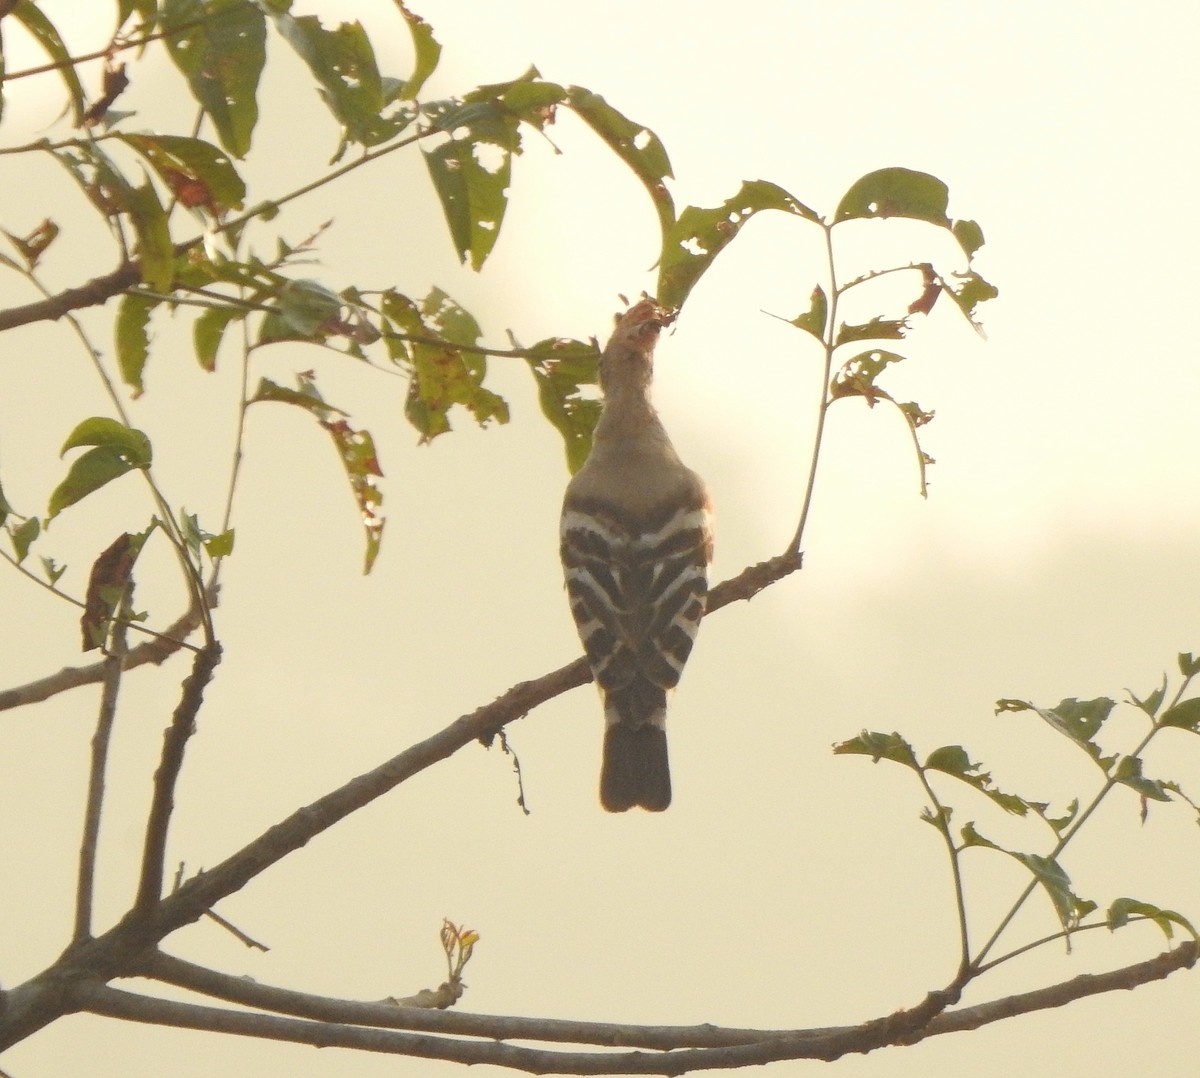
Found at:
<point>1054,557</point>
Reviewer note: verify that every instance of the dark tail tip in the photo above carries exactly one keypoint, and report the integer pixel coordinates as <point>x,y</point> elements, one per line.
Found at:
<point>635,770</point>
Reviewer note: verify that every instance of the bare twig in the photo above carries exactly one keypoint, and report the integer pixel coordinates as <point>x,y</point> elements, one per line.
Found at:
<point>175,739</point>
<point>113,667</point>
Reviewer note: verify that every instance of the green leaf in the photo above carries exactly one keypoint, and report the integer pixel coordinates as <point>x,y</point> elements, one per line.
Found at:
<point>1153,701</point>
<point>53,570</point>
<point>24,535</point>
<point>635,144</point>
<point>856,377</point>
<point>155,250</point>
<point>896,192</point>
<point>356,448</point>
<point>1129,773</point>
<point>1078,720</point>
<point>44,33</point>
<point>428,52</point>
<point>879,746</point>
<point>305,311</point>
<point>110,434</point>
<point>197,173</point>
<point>117,449</point>
<point>220,49</point>
<point>343,63</point>
<point>1068,906</point>
<point>691,243</point>
<point>1184,716</point>
<point>207,331</point>
<point>878,329</point>
<point>560,368</point>
<point>133,342</point>
<point>441,374</point>
<point>5,508</point>
<point>953,760</point>
<point>1188,666</point>
<point>969,236</point>
<point>1124,909</point>
<point>815,318</point>
<point>93,470</point>
<point>473,197</point>
<point>968,290</point>
<point>220,546</point>
<point>197,539</point>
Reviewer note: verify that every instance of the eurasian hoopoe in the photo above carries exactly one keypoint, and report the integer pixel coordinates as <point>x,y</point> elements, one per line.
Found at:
<point>636,543</point>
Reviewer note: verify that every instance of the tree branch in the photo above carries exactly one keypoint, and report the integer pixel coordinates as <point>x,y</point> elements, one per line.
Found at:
<point>680,1048</point>
<point>97,291</point>
<point>156,651</point>
<point>175,739</point>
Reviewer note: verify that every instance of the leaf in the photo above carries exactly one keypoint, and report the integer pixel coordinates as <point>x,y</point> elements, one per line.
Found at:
<point>635,144</point>
<point>197,539</point>
<point>117,449</point>
<point>53,570</point>
<point>969,236</point>
<point>1053,878</point>
<point>24,535</point>
<point>560,368</point>
<point>877,329</point>
<point>1183,716</point>
<point>5,508</point>
<point>207,331</point>
<point>305,310</point>
<point>133,343</point>
<point>155,250</point>
<point>44,33</point>
<point>1078,720</point>
<point>343,63</point>
<point>692,243</point>
<point>356,448</point>
<point>856,377</point>
<point>814,319</point>
<point>968,290</point>
<point>32,247</point>
<point>1123,909</point>
<point>879,746</point>
<point>109,585</point>
<point>428,52</point>
<point>220,49</point>
<point>198,174</point>
<point>1129,773</point>
<point>953,760</point>
<point>441,373</point>
<point>1188,665</point>
<point>473,197</point>
<point>1153,701</point>
<point>896,192</point>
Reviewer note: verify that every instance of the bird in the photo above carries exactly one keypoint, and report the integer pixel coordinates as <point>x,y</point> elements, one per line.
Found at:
<point>636,542</point>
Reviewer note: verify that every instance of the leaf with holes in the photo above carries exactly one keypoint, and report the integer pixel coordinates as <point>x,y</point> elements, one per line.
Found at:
<point>561,367</point>
<point>896,192</point>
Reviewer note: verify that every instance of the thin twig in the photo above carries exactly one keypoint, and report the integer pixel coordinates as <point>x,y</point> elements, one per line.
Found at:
<point>175,739</point>
<point>113,667</point>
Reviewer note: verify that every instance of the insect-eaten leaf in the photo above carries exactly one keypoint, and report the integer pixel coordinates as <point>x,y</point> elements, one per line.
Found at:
<point>220,48</point>
<point>1078,720</point>
<point>132,339</point>
<point>473,195</point>
<point>815,318</point>
<point>1124,910</point>
<point>33,246</point>
<point>433,342</point>
<point>896,192</point>
<point>953,760</point>
<point>879,746</point>
<point>428,52</point>
<point>110,586</point>
<point>200,175</point>
<point>23,537</point>
<point>1183,716</point>
<point>561,367</point>
<point>691,243</point>
<point>1068,906</point>
<point>356,449</point>
<point>1128,772</point>
<point>116,449</point>
<point>197,538</point>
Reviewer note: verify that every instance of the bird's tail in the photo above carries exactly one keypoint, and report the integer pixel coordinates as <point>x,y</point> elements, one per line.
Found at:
<point>635,770</point>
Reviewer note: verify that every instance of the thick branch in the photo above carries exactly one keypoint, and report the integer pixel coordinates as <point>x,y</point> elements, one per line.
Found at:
<point>718,1049</point>
<point>97,291</point>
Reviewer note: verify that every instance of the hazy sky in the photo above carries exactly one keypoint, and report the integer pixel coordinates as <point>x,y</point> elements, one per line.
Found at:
<point>1055,555</point>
